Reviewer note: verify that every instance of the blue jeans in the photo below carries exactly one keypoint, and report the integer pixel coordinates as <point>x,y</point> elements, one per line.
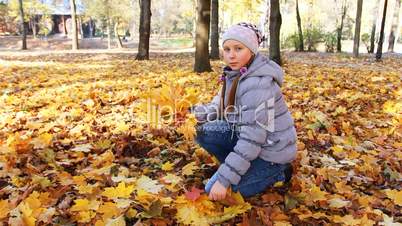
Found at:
<point>216,138</point>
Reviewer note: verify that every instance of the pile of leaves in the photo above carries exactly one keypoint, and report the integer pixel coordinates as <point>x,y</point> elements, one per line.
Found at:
<point>101,139</point>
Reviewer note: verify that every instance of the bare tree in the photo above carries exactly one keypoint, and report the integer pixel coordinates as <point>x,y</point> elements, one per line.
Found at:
<point>63,19</point>
<point>202,63</point>
<point>215,29</point>
<point>301,44</point>
<point>380,42</point>
<point>356,42</point>
<point>145,30</point>
<point>116,34</point>
<point>374,27</point>
<point>340,28</point>
<point>109,32</point>
<point>395,23</point>
<point>23,27</point>
<point>275,22</point>
<point>74,25</point>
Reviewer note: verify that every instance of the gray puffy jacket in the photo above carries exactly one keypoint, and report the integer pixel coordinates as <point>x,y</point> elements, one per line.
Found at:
<point>264,125</point>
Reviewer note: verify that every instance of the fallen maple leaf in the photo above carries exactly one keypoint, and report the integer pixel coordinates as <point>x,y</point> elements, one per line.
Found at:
<point>121,191</point>
<point>395,196</point>
<point>167,166</point>
<point>315,194</point>
<point>147,184</point>
<point>194,194</point>
<point>189,169</point>
<point>4,209</point>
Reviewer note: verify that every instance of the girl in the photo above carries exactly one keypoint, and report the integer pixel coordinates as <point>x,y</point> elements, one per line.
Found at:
<point>247,126</point>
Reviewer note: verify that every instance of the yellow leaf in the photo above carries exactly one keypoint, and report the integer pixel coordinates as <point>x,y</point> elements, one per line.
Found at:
<point>80,205</point>
<point>388,221</point>
<point>4,209</point>
<point>147,184</point>
<point>338,203</point>
<point>82,148</point>
<point>79,180</point>
<point>42,181</point>
<point>99,223</point>
<point>278,184</point>
<point>189,169</point>
<point>231,212</point>
<point>33,200</point>
<point>121,191</point>
<point>85,216</point>
<point>89,103</point>
<point>131,213</point>
<point>123,203</point>
<point>85,189</point>
<point>27,217</point>
<point>346,220</point>
<point>167,166</point>
<point>116,222</point>
<point>188,128</point>
<point>282,223</point>
<point>366,221</point>
<point>205,212</point>
<point>395,196</point>
<point>76,112</point>
<point>109,210</point>
<point>315,194</point>
<point>340,110</point>
<point>104,159</point>
<point>121,127</point>
<point>84,205</point>
<point>145,198</point>
<point>238,197</point>
<point>190,215</point>
<point>338,152</point>
<point>42,141</point>
<point>171,179</point>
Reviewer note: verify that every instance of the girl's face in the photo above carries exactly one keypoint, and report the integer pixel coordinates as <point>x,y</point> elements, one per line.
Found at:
<point>235,54</point>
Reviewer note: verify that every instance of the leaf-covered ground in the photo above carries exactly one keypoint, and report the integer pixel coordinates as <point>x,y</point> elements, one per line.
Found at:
<point>81,143</point>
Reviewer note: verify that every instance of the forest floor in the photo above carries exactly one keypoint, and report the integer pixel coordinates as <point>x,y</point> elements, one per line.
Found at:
<point>79,142</point>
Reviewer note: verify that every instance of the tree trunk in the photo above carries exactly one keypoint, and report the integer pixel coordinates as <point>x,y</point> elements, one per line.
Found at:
<point>380,42</point>
<point>33,24</point>
<point>116,33</point>
<point>109,33</point>
<point>215,30</point>
<point>64,25</point>
<point>374,27</point>
<point>395,23</point>
<point>356,42</point>
<point>74,25</point>
<point>266,22</point>
<point>275,22</point>
<point>301,44</point>
<point>340,29</point>
<point>23,27</point>
<point>80,27</point>
<point>194,22</point>
<point>145,30</point>
<point>91,28</point>
<point>202,63</point>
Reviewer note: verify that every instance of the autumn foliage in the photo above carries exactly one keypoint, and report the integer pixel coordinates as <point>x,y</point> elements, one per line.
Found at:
<point>105,140</point>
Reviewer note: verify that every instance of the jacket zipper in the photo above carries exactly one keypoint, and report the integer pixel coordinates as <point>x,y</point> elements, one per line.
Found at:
<point>235,100</point>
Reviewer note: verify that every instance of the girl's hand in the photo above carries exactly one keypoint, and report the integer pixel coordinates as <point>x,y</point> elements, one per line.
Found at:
<point>218,191</point>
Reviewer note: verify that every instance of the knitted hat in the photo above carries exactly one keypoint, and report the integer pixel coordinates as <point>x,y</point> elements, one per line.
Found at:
<point>246,33</point>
